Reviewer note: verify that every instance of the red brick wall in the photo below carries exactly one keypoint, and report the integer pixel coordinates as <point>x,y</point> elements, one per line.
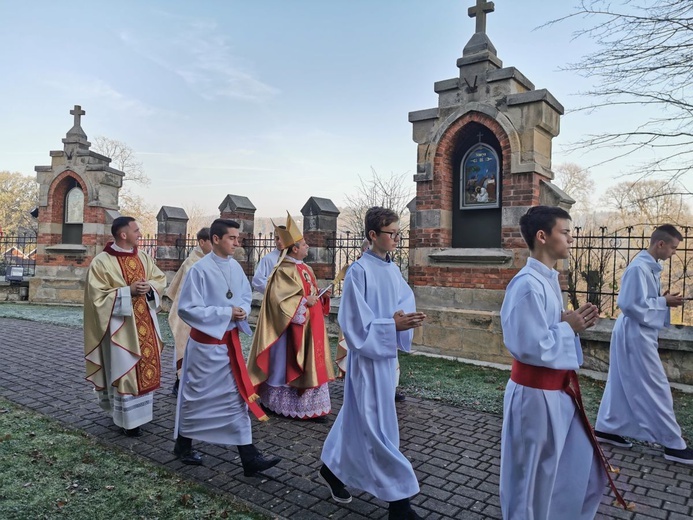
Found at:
<point>53,213</point>
<point>518,190</point>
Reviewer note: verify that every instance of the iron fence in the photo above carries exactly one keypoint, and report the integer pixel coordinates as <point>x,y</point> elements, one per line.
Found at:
<point>347,248</point>
<point>18,250</point>
<point>598,259</point>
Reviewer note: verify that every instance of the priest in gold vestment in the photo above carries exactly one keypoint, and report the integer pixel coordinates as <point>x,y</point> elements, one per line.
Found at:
<point>290,361</point>
<point>122,341</point>
<point>180,329</point>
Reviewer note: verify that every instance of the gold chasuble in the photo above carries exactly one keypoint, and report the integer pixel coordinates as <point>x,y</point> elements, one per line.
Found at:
<point>308,359</point>
<point>136,334</point>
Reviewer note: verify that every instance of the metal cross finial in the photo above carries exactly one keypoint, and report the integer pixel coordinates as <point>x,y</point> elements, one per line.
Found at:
<point>78,113</point>
<point>480,136</point>
<point>479,12</point>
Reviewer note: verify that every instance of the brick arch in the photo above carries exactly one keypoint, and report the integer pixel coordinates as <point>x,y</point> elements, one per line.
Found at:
<point>440,188</point>
<point>56,197</point>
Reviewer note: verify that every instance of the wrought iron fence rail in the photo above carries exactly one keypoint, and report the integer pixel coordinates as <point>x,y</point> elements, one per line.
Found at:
<point>18,250</point>
<point>598,260</point>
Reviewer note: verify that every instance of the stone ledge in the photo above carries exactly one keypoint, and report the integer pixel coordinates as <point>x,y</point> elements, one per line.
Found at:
<point>67,248</point>
<point>472,256</point>
<point>675,337</point>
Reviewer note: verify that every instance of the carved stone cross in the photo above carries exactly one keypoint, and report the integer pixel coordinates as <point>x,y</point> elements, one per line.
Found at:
<point>479,12</point>
<point>78,113</point>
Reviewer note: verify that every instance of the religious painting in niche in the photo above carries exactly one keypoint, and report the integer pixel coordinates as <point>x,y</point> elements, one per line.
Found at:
<point>74,206</point>
<point>479,178</point>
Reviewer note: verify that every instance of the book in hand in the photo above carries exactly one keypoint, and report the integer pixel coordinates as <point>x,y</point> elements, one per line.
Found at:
<point>324,290</point>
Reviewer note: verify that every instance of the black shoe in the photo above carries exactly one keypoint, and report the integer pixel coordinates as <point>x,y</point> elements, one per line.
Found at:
<point>184,452</point>
<point>401,510</point>
<point>258,464</point>
<point>612,438</point>
<point>337,489</point>
<point>133,432</point>
<point>409,515</point>
<point>399,397</point>
<point>684,456</point>
<point>174,390</point>
<point>321,419</point>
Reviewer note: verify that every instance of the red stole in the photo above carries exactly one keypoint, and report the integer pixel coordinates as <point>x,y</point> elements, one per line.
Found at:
<point>238,368</point>
<point>315,321</point>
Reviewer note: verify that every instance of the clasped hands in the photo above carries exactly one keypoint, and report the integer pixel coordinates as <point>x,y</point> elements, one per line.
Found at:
<point>238,314</point>
<point>140,288</point>
<point>406,321</point>
<point>582,318</point>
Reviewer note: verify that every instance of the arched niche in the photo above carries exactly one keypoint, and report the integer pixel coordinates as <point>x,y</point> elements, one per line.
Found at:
<point>477,188</point>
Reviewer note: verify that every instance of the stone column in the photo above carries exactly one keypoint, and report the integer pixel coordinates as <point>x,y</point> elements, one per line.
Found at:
<point>319,230</point>
<point>240,209</point>
<point>172,226</point>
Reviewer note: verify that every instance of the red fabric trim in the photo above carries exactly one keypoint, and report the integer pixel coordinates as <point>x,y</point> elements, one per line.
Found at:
<point>544,378</point>
<point>238,367</point>
<point>109,249</point>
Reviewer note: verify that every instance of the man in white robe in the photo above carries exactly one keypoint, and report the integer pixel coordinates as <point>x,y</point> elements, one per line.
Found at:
<point>549,466</point>
<point>215,391</point>
<point>267,263</point>
<point>179,328</point>
<point>376,315</point>
<point>637,400</point>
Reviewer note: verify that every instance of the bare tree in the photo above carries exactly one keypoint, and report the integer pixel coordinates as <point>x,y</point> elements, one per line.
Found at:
<point>577,182</point>
<point>643,59</point>
<point>18,196</point>
<point>394,192</point>
<point>124,159</point>
<point>197,219</point>
<point>647,203</point>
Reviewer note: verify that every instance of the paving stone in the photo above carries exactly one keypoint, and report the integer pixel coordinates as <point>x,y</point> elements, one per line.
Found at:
<point>455,452</point>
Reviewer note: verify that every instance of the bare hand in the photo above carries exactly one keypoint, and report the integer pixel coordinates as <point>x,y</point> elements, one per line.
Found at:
<point>408,321</point>
<point>238,314</point>
<point>140,288</point>
<point>673,300</point>
<point>582,318</point>
<point>311,300</point>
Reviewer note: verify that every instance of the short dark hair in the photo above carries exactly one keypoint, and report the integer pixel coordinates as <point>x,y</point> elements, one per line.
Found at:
<point>540,218</point>
<point>221,226</point>
<point>666,232</point>
<point>377,218</point>
<point>203,234</point>
<point>119,223</point>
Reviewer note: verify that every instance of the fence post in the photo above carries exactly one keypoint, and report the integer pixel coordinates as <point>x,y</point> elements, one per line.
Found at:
<point>240,209</point>
<point>319,229</point>
<point>171,224</point>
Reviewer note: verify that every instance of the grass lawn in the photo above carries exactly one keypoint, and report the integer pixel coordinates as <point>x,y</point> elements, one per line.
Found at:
<point>47,471</point>
<point>443,380</point>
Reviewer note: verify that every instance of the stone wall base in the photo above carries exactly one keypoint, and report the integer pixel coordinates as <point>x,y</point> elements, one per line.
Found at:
<point>58,284</point>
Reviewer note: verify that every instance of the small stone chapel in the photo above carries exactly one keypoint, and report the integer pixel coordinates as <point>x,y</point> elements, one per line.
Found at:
<point>483,158</point>
<point>78,200</point>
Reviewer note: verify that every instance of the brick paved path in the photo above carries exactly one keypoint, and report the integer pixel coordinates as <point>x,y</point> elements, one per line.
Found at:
<point>454,451</point>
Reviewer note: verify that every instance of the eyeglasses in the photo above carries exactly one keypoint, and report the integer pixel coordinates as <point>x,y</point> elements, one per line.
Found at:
<point>393,234</point>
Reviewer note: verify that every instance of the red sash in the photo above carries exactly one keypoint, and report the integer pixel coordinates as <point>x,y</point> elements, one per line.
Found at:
<point>544,378</point>
<point>238,367</point>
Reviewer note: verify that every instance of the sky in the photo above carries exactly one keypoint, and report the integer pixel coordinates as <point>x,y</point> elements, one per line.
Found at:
<point>276,100</point>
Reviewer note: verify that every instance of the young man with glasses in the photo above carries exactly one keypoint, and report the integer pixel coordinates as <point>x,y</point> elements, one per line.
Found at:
<point>377,315</point>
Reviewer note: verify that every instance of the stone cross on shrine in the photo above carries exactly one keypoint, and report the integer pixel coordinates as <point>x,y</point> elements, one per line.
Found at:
<point>78,113</point>
<point>479,12</point>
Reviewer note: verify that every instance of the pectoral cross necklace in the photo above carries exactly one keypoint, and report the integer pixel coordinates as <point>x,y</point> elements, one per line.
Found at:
<point>229,293</point>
